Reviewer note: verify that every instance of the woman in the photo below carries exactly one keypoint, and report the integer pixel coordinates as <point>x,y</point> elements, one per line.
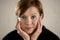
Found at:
<point>29,23</point>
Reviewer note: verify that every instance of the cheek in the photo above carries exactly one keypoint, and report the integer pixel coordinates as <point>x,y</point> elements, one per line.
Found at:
<point>22,24</point>
<point>35,22</point>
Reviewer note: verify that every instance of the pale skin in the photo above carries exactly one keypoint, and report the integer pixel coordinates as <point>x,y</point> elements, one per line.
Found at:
<point>30,21</point>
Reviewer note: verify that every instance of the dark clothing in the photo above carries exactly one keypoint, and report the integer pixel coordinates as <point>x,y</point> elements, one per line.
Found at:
<point>45,35</point>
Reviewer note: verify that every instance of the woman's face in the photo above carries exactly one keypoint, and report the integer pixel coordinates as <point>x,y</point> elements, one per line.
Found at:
<point>29,19</point>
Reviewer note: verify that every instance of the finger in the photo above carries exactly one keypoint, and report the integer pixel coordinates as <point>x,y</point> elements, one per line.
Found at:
<point>19,19</point>
<point>38,31</point>
<point>18,22</point>
<point>18,27</point>
<point>40,22</point>
<point>39,25</point>
<point>20,31</point>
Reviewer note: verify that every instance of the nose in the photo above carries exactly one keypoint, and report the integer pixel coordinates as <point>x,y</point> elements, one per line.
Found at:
<point>29,21</point>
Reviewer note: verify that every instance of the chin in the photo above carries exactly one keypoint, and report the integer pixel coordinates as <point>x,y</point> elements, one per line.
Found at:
<point>29,33</point>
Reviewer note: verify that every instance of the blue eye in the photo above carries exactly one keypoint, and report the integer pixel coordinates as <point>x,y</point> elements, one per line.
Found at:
<point>33,17</point>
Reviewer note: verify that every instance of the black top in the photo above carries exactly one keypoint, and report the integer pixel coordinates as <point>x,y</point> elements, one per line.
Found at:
<point>45,35</point>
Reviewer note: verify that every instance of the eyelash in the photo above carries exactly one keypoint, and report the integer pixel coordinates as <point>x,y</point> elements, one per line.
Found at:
<point>23,17</point>
<point>32,17</point>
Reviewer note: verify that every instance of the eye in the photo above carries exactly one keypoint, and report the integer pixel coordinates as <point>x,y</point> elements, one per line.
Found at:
<point>33,17</point>
<point>23,17</point>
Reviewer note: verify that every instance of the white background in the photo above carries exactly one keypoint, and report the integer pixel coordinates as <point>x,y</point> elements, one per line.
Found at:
<point>8,18</point>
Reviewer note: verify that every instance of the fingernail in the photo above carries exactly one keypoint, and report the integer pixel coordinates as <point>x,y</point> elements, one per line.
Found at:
<point>18,32</point>
<point>19,19</point>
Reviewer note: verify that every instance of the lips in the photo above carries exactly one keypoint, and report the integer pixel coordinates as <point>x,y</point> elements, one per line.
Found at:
<point>28,28</point>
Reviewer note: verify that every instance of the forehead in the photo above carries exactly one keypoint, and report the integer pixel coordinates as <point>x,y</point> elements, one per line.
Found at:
<point>31,10</point>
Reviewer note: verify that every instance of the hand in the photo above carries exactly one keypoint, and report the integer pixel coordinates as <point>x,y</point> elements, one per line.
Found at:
<point>23,34</point>
<point>36,34</point>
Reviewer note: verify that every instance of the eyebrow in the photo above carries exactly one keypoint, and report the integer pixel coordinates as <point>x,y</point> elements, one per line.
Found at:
<point>22,15</point>
<point>33,13</point>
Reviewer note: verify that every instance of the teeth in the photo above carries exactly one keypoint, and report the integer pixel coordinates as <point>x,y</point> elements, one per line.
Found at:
<point>19,18</point>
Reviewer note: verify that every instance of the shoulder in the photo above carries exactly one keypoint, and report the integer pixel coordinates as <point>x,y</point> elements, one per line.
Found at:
<point>48,35</point>
<point>12,36</point>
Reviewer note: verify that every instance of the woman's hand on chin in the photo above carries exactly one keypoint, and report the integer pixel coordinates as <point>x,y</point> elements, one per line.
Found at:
<point>23,34</point>
<point>36,34</point>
